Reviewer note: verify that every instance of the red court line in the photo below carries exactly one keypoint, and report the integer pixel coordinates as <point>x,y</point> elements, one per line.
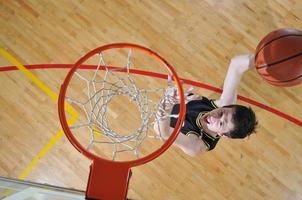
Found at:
<point>163,76</point>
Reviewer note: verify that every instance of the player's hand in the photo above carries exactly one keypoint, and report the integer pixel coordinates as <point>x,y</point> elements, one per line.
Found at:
<point>190,95</point>
<point>167,102</point>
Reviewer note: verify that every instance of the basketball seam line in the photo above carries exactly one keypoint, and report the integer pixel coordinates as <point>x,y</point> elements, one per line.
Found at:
<point>284,80</point>
<point>278,61</point>
<point>283,36</point>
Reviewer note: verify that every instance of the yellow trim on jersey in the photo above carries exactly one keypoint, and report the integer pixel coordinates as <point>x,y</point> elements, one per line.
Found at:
<point>198,119</point>
<point>210,136</point>
<point>194,133</point>
<point>213,103</point>
<point>206,144</point>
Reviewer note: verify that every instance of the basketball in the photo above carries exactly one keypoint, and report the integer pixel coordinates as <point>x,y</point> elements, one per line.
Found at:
<point>278,57</point>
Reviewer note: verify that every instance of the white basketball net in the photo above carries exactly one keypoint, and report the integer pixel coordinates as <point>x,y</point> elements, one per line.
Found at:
<point>100,93</point>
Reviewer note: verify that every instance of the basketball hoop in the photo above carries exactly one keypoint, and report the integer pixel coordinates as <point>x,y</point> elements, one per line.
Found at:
<point>102,84</point>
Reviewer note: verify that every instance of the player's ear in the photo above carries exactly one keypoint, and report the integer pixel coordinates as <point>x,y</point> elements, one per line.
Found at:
<point>226,135</point>
<point>220,134</point>
<point>223,135</point>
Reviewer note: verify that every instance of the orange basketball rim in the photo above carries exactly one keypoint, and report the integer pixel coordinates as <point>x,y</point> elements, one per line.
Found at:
<point>109,179</point>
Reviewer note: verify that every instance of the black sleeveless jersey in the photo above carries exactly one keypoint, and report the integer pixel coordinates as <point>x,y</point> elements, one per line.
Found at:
<point>195,110</point>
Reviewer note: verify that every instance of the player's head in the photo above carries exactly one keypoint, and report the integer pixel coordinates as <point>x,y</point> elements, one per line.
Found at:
<point>244,120</point>
<point>233,121</point>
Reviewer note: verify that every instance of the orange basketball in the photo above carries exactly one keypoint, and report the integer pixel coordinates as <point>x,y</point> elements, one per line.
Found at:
<point>278,57</point>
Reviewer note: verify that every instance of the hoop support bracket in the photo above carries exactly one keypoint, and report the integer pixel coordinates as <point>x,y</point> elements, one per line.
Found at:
<point>108,181</point>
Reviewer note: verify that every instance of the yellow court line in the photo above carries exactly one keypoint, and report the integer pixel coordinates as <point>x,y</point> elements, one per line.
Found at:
<point>34,79</point>
<point>44,151</point>
<point>54,96</point>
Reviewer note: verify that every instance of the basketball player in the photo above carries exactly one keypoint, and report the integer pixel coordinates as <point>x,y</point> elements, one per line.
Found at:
<point>206,120</point>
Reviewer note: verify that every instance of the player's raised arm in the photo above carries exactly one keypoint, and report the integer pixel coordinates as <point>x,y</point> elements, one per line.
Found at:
<point>238,65</point>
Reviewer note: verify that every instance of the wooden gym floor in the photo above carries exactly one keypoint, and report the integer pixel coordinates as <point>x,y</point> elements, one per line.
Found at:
<point>198,37</point>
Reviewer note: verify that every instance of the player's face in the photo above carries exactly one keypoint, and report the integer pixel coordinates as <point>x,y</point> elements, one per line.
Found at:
<point>219,120</point>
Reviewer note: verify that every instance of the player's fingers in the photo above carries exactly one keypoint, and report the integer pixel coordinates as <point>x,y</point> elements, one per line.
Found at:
<point>192,97</point>
<point>189,90</point>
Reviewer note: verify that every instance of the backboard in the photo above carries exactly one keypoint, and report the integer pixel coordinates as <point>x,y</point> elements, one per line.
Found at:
<point>14,189</point>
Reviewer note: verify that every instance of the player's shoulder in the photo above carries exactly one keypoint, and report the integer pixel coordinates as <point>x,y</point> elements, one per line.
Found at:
<point>210,102</point>
<point>218,103</point>
<point>203,103</point>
